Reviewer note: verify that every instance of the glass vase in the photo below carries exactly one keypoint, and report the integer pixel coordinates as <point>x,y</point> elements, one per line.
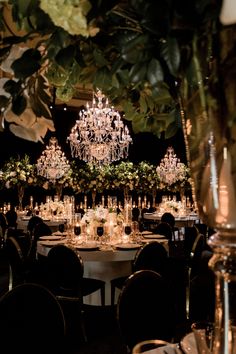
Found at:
<point>21,192</point>
<point>207,106</point>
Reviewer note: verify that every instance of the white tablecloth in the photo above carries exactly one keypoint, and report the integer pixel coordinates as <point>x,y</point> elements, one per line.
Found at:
<point>104,265</point>
<point>179,221</point>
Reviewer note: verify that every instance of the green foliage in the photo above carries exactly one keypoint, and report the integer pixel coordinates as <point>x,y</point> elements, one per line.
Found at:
<point>142,46</point>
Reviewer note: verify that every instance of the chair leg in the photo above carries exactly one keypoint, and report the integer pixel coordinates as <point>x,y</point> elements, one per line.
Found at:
<point>103,295</point>
<point>113,290</point>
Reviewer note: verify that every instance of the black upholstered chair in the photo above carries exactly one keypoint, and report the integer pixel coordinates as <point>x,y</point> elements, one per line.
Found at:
<point>145,309</point>
<point>66,281</point>
<point>152,256</point>
<point>31,321</point>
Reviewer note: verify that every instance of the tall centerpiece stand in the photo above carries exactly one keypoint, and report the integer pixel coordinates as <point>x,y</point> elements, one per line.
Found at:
<point>207,109</point>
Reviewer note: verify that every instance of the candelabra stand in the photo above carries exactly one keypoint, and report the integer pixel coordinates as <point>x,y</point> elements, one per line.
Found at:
<point>223,263</point>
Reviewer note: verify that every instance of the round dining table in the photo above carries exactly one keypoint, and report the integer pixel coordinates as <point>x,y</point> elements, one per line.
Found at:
<point>105,263</point>
<point>180,221</point>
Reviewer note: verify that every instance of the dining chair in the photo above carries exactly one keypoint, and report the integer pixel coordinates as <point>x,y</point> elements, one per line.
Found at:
<point>165,229</point>
<point>152,256</point>
<point>40,229</point>
<point>193,262</point>
<point>31,321</point>
<point>145,309</point>
<point>202,291</point>
<point>33,221</point>
<point>17,267</point>
<point>66,281</point>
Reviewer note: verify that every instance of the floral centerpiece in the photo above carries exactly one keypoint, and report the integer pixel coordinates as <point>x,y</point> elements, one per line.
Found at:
<point>148,178</point>
<point>19,173</point>
<point>125,177</point>
<point>108,217</point>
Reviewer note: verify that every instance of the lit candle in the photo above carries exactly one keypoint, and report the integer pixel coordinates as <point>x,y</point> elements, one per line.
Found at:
<point>145,200</point>
<point>139,202</point>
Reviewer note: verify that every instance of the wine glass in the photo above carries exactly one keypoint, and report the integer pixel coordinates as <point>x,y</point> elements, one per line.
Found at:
<point>100,232</point>
<point>77,230</point>
<point>127,229</point>
<point>61,228</point>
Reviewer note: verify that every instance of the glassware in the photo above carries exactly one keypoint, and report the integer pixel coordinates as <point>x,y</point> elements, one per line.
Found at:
<point>151,345</point>
<point>204,336</point>
<point>61,228</point>
<point>100,233</point>
<point>77,230</point>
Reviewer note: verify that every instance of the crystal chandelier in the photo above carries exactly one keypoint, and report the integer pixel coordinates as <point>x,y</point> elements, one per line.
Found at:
<point>171,169</point>
<point>99,136</point>
<point>52,164</point>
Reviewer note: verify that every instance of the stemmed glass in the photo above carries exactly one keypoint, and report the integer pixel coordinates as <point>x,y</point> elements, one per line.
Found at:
<point>61,228</point>
<point>77,230</point>
<point>100,232</point>
<point>127,229</point>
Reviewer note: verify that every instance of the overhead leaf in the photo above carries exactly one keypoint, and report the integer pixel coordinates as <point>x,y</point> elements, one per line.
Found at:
<point>19,104</point>
<point>171,130</point>
<point>135,50</point>
<point>4,52</point>
<point>39,107</point>
<point>65,57</point>
<point>13,87</point>
<point>138,72</point>
<point>99,58</point>
<point>103,78</point>
<point>169,50</point>
<point>27,64</point>
<point>143,104</point>
<point>4,101</point>
<point>154,72</point>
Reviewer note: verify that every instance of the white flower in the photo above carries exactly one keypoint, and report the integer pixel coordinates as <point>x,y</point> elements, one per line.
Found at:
<point>70,15</point>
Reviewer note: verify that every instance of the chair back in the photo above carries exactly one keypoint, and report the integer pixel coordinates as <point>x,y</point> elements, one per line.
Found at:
<point>163,228</point>
<point>31,320</point>
<point>152,256</point>
<point>65,270</point>
<point>39,229</point>
<point>16,262</point>
<point>145,308</point>
<point>33,221</point>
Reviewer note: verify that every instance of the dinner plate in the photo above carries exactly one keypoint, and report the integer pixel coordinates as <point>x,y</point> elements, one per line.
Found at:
<point>58,233</point>
<point>50,238</point>
<point>188,344</point>
<point>52,242</point>
<point>89,246</point>
<point>156,236</point>
<point>161,240</point>
<point>147,232</point>
<point>128,246</point>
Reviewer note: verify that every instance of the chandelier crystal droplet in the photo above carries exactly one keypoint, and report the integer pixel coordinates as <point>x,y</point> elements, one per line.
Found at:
<point>99,136</point>
<point>52,164</point>
<point>171,169</point>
